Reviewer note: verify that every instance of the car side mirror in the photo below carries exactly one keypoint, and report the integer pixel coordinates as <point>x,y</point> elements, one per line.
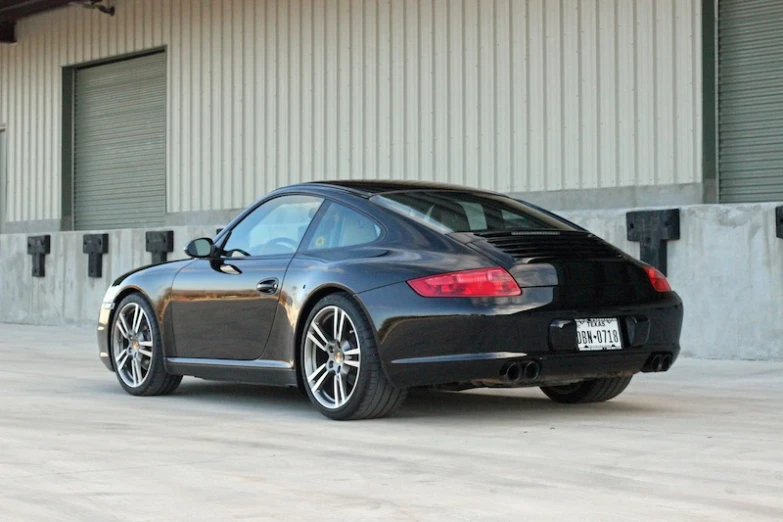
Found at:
<point>200,248</point>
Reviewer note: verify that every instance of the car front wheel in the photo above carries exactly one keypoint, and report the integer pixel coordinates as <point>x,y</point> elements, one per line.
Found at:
<point>340,366</point>
<point>137,349</point>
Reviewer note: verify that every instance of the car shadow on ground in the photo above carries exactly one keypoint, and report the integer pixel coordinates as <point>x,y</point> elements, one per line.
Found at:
<point>510,404</point>
<point>421,403</point>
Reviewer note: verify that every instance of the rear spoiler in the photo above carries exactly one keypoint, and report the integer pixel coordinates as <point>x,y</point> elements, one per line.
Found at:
<point>552,215</point>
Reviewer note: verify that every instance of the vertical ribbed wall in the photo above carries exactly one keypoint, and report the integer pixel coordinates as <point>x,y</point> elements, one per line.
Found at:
<point>512,95</point>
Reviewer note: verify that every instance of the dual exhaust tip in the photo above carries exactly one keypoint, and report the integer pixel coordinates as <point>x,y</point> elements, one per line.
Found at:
<point>517,372</point>
<point>659,362</point>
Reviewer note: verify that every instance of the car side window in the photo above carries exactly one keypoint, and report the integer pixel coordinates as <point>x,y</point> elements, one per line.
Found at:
<point>275,227</point>
<point>343,227</point>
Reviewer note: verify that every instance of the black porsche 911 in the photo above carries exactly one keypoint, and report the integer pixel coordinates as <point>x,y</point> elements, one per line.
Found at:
<point>356,291</point>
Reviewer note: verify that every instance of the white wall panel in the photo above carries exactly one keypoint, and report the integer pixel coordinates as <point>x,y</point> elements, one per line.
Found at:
<point>512,95</point>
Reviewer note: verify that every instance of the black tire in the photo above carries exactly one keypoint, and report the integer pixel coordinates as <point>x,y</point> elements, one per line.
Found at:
<point>373,395</point>
<point>158,381</point>
<point>593,390</point>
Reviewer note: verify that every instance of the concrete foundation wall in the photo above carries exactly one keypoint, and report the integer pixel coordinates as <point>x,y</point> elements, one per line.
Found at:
<point>727,266</point>
<point>66,295</point>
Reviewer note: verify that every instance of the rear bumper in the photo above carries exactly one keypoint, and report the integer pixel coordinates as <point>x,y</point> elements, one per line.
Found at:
<point>553,369</point>
<point>426,342</point>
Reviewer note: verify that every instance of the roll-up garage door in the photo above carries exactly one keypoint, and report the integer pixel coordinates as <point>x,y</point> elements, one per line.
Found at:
<point>119,178</point>
<point>750,100</point>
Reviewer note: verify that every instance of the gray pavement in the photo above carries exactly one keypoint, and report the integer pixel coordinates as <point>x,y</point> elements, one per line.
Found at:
<point>702,442</point>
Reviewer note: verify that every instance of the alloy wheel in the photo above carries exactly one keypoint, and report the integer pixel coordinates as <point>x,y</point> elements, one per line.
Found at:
<point>132,345</point>
<point>332,357</point>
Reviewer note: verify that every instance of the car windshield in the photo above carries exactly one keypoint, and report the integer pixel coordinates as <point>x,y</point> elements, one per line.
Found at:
<point>454,211</point>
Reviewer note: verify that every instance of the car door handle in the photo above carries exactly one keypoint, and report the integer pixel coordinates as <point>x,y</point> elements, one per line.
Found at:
<point>267,286</point>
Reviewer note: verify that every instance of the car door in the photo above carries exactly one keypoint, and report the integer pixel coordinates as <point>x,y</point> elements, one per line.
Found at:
<point>224,307</point>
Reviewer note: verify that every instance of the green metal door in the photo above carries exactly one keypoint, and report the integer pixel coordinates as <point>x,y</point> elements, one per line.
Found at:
<point>3,183</point>
<point>120,144</point>
<point>750,100</point>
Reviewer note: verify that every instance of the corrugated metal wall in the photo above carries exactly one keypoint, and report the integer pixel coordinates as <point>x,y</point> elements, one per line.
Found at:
<point>750,96</point>
<point>513,95</point>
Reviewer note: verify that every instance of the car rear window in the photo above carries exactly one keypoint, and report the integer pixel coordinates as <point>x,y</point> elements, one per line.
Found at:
<point>454,211</point>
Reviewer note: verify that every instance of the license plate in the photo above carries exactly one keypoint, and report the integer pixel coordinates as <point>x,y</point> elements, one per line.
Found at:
<point>598,334</point>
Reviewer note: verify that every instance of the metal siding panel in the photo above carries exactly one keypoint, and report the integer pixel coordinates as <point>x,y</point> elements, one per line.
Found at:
<point>572,97</point>
<point>486,96</point>
<point>508,95</point>
<point>554,88</point>
<point>270,179</point>
<point>627,173</point>
<point>318,115</point>
<point>750,97</point>
<point>119,144</point>
<point>51,116</point>
<point>589,94</point>
<point>412,113</point>
<point>383,86</point>
<point>37,93</point>
<point>218,128</point>
<point>518,172</point>
<point>294,138</point>
<point>357,99</point>
<point>503,96</point>
<point>686,98</point>
<point>331,95</point>
<point>31,118</point>
<point>645,92</point>
<point>231,135</point>
<point>197,166</point>
<point>535,170</point>
<point>454,86</point>
<point>369,81</point>
<point>13,137</point>
<point>397,89</point>
<point>665,80</point>
<point>307,87</point>
<point>694,132</point>
<point>471,70</point>
<point>343,86</point>
<point>432,72</point>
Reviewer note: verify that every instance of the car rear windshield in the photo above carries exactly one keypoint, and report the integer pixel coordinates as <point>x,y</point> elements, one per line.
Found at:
<point>454,211</point>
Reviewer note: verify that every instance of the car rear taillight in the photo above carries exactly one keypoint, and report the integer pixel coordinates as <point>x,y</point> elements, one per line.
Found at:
<point>483,282</point>
<point>657,279</point>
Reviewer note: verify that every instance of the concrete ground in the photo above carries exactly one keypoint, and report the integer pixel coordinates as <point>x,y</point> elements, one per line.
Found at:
<point>702,442</point>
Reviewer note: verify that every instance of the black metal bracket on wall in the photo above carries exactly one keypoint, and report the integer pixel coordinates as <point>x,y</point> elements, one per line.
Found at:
<point>95,245</point>
<point>7,32</point>
<point>653,228</point>
<point>39,247</point>
<point>159,244</point>
<point>779,221</point>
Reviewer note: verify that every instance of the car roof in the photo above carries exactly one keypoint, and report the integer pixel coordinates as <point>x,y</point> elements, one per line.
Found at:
<point>368,188</point>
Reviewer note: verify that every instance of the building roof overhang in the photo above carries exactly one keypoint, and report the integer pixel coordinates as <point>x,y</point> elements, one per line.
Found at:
<point>13,10</point>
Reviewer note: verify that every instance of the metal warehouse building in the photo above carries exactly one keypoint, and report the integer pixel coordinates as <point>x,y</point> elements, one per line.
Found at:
<point>170,115</point>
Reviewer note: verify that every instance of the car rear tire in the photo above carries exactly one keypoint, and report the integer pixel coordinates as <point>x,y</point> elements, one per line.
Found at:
<point>137,349</point>
<point>593,390</point>
<point>340,366</point>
